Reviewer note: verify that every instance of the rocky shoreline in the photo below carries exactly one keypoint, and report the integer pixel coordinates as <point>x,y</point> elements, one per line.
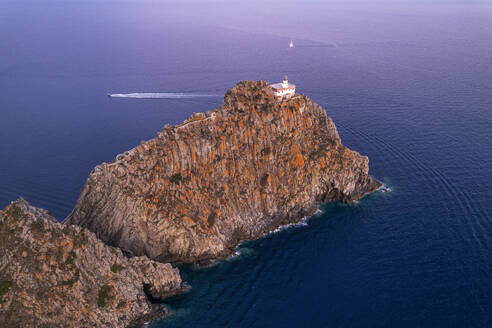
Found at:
<point>191,195</point>
<point>55,275</point>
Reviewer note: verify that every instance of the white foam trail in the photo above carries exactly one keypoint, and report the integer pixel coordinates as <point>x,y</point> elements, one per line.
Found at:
<point>159,95</point>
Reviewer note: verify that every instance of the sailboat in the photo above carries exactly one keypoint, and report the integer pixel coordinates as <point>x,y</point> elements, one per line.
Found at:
<point>291,44</point>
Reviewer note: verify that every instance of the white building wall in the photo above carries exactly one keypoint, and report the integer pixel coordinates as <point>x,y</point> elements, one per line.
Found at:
<point>284,92</point>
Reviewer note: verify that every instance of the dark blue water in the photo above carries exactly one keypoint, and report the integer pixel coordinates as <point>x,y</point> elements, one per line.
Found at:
<point>408,85</point>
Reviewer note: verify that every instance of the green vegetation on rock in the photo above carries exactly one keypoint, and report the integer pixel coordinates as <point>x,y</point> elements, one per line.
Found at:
<point>176,178</point>
<point>104,295</point>
<point>116,267</point>
<point>5,286</point>
<point>71,258</point>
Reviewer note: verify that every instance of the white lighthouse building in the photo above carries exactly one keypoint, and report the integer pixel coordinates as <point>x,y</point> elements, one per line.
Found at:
<point>284,89</point>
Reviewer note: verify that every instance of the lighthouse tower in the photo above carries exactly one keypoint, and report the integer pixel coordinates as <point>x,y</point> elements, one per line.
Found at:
<point>284,89</point>
<point>285,82</point>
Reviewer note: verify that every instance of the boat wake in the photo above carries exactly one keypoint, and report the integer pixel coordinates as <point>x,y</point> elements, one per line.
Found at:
<point>317,46</point>
<point>157,95</point>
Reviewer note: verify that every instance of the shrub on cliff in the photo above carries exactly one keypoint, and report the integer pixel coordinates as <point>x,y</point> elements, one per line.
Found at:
<point>116,267</point>
<point>176,178</point>
<point>104,295</point>
<point>5,286</point>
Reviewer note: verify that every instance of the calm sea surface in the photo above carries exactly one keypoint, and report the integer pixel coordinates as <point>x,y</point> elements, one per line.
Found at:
<point>408,85</point>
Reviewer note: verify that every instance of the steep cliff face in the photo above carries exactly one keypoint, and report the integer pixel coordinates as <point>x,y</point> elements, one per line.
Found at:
<point>63,276</point>
<point>198,188</point>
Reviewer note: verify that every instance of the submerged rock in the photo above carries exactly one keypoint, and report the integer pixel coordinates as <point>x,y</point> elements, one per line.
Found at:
<point>198,188</point>
<point>53,275</point>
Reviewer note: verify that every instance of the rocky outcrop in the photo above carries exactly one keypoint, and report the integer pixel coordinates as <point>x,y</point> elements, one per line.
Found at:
<point>198,188</point>
<point>63,276</point>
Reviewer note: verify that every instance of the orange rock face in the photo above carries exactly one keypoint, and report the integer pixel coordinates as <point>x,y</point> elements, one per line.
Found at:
<point>198,188</point>
<point>53,275</point>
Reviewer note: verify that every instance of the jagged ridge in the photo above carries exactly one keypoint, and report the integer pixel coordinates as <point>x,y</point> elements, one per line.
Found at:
<point>53,275</point>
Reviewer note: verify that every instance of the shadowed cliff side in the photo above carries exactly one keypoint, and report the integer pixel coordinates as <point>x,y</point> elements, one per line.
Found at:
<point>53,275</point>
<point>198,188</point>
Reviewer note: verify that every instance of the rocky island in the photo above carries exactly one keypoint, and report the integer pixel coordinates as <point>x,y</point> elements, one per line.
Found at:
<point>53,275</point>
<point>193,192</point>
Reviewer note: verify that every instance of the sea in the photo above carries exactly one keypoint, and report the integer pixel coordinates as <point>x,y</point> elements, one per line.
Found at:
<point>407,83</point>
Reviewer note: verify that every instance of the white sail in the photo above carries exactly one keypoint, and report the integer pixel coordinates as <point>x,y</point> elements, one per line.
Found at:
<point>291,45</point>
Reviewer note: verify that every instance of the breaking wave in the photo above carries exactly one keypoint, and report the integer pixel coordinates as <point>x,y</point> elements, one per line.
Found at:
<point>156,95</point>
<point>302,223</point>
